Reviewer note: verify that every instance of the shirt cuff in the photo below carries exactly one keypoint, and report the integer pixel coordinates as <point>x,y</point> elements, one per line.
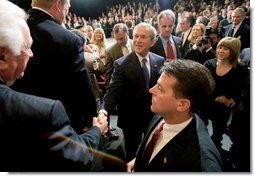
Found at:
<point>103,111</point>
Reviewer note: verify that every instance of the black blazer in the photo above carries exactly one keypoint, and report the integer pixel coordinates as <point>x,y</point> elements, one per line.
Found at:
<point>158,47</point>
<point>36,136</point>
<point>243,34</point>
<point>127,90</point>
<point>191,150</point>
<point>57,69</point>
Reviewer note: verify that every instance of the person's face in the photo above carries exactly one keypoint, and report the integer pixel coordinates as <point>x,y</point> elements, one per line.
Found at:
<point>184,25</point>
<point>98,35</point>
<point>196,31</point>
<point>237,17</point>
<point>142,41</point>
<point>166,26</point>
<point>223,53</point>
<point>89,32</point>
<point>163,99</point>
<point>16,64</point>
<point>121,37</point>
<point>214,24</point>
<point>213,38</point>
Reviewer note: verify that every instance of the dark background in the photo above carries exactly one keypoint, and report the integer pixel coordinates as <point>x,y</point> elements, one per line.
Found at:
<point>94,8</point>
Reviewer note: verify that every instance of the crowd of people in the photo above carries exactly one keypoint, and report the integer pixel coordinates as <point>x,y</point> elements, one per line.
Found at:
<point>177,68</point>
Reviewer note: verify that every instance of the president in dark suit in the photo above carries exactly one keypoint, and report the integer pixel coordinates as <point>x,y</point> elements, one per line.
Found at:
<point>182,143</point>
<point>166,21</point>
<point>128,89</point>
<point>57,69</point>
<point>35,132</point>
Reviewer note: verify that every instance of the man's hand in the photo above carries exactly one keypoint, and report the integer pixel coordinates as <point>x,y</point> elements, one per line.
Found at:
<point>130,166</point>
<point>101,123</point>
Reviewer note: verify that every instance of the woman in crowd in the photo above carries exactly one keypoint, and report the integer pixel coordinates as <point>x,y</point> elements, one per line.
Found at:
<point>99,39</point>
<point>229,76</point>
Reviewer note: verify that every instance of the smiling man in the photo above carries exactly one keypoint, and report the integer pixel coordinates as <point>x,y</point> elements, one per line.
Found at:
<point>129,87</point>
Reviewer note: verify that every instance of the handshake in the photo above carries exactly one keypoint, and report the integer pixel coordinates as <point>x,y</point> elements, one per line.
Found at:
<point>101,122</point>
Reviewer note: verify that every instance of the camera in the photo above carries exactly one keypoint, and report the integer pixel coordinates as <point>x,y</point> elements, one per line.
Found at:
<point>205,40</point>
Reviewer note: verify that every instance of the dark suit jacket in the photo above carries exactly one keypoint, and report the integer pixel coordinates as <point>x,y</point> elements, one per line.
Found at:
<point>191,150</point>
<point>158,47</point>
<point>36,136</point>
<point>185,46</point>
<point>127,90</point>
<point>57,69</point>
<point>112,53</point>
<point>243,34</point>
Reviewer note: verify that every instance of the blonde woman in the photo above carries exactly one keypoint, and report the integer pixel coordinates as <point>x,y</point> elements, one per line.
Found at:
<point>98,38</point>
<point>197,32</point>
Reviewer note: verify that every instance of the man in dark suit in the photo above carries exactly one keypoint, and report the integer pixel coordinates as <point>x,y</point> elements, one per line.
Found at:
<point>128,89</point>
<point>35,132</point>
<point>186,28</point>
<point>184,144</point>
<point>166,21</point>
<point>57,69</point>
<point>123,46</point>
<point>238,28</point>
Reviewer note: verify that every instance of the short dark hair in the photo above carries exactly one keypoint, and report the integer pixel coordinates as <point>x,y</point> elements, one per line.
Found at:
<point>194,81</point>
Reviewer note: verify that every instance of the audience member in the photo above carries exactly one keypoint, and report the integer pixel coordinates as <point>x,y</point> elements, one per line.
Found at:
<point>123,46</point>
<point>183,143</point>
<point>57,69</point>
<point>185,31</point>
<point>99,40</point>
<point>129,24</point>
<point>89,32</point>
<point>129,87</point>
<point>229,76</point>
<point>197,32</point>
<point>238,28</point>
<point>35,132</point>
<point>202,52</point>
<point>166,44</point>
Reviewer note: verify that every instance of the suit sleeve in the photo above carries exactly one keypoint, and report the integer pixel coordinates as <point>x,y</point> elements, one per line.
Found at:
<point>83,99</point>
<point>108,67</point>
<point>114,89</point>
<point>66,142</point>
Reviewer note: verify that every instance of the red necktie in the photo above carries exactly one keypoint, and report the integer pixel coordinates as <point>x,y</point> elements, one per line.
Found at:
<point>170,51</point>
<point>150,147</point>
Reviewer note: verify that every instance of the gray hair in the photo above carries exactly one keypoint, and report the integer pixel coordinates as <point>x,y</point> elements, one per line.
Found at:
<point>166,14</point>
<point>120,26</point>
<point>12,22</point>
<point>148,26</point>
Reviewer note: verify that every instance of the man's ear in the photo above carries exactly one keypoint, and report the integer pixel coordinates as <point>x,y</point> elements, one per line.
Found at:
<point>153,42</point>
<point>183,105</point>
<point>3,64</point>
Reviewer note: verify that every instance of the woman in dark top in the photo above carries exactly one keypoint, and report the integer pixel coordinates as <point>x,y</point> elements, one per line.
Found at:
<point>229,76</point>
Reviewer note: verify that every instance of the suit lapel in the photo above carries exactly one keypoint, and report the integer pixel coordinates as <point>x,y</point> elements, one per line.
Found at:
<point>239,31</point>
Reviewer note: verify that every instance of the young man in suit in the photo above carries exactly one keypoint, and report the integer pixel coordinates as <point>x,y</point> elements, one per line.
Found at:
<point>129,90</point>
<point>123,46</point>
<point>184,144</point>
<point>57,69</point>
<point>166,21</point>
<point>35,132</point>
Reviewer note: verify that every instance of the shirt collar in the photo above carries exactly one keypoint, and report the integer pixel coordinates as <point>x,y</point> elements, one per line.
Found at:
<point>140,57</point>
<point>38,8</point>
